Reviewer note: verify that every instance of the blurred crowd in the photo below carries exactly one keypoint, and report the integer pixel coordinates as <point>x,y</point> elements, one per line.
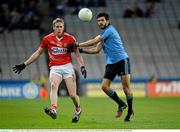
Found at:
<point>21,14</point>
<point>25,14</point>
<point>137,11</point>
<point>63,7</point>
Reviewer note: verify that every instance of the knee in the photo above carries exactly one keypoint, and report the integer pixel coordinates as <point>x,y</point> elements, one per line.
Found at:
<point>126,89</point>
<point>104,88</point>
<point>53,85</point>
<point>126,85</point>
<point>73,96</point>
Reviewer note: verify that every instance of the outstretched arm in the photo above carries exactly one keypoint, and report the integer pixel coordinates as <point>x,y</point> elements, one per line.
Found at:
<point>34,56</point>
<point>91,42</point>
<point>94,50</point>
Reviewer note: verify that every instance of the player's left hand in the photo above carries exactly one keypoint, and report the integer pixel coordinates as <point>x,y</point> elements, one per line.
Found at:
<point>83,71</point>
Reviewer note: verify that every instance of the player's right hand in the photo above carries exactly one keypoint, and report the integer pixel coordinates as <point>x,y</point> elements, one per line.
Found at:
<point>80,50</point>
<point>19,68</point>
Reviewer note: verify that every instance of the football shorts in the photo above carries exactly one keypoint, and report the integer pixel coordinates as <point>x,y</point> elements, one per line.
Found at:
<point>65,71</point>
<point>120,68</point>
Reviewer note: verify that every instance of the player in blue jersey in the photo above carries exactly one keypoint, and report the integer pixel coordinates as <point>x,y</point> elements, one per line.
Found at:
<point>117,62</point>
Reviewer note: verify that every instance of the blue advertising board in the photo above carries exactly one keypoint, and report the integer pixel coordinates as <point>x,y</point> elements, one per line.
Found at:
<point>19,89</point>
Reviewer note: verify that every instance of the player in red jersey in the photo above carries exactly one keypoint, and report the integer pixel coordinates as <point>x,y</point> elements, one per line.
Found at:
<point>60,65</point>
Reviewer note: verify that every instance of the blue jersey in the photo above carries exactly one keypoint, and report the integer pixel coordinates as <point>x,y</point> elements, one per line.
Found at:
<point>112,45</point>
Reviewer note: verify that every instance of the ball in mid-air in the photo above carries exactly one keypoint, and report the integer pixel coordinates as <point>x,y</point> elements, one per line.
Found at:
<point>85,14</point>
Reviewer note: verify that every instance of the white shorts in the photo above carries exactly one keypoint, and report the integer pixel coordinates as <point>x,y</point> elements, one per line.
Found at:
<point>65,71</point>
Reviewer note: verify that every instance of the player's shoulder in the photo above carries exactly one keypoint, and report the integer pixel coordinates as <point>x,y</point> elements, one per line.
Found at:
<point>49,36</point>
<point>70,36</point>
<point>110,28</point>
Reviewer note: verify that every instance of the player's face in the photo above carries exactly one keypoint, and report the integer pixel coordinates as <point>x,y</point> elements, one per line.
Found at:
<point>58,28</point>
<point>102,22</point>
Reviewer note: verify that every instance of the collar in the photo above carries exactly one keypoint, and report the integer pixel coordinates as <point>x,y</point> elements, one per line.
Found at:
<point>106,26</point>
<point>58,37</point>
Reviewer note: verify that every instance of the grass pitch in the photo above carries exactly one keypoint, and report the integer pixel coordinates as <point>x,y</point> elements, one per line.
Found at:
<point>98,113</point>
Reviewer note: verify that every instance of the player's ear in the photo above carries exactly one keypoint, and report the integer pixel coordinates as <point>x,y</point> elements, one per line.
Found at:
<point>53,27</point>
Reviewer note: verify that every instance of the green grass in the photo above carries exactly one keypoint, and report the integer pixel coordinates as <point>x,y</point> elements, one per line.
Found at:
<point>98,113</point>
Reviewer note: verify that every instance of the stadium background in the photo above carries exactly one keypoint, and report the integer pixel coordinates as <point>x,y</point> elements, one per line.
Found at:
<point>150,30</point>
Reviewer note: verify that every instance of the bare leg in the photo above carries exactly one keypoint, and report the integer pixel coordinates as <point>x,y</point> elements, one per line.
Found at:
<point>110,92</point>
<point>113,95</point>
<point>129,96</point>
<point>106,86</point>
<point>55,80</point>
<point>126,84</point>
<point>71,86</point>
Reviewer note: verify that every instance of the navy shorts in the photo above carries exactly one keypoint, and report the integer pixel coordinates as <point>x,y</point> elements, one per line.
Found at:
<point>119,68</point>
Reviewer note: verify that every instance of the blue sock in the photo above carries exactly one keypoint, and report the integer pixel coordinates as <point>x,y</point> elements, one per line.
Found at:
<point>129,99</point>
<point>113,95</point>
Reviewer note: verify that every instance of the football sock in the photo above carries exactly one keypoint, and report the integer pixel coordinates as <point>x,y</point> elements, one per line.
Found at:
<point>129,99</point>
<point>78,108</point>
<point>113,95</point>
<point>53,106</point>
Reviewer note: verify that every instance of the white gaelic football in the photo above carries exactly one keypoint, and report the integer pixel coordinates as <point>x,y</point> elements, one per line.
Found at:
<point>85,14</point>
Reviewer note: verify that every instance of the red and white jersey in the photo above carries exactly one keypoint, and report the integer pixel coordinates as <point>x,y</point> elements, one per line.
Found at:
<point>57,48</point>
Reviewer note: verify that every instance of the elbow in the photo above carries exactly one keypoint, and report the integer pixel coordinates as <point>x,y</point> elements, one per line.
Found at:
<point>97,51</point>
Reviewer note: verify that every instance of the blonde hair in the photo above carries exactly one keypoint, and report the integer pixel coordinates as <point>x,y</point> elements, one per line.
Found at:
<point>57,20</point>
